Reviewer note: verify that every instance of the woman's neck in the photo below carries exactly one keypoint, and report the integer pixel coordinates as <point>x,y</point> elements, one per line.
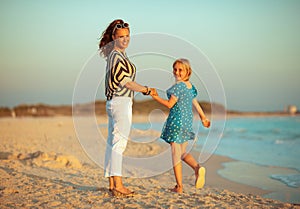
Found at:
<point>119,50</point>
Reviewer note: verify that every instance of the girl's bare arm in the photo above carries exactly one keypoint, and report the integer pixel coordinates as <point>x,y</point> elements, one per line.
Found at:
<point>205,121</point>
<point>168,103</point>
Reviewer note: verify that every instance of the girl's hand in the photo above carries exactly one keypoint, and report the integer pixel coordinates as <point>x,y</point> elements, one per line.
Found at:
<point>206,123</point>
<point>153,92</point>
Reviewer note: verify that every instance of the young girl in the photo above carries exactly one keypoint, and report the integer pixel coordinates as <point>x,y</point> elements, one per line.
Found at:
<point>178,127</point>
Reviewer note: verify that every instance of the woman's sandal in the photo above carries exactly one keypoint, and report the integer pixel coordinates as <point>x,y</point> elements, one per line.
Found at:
<point>117,193</point>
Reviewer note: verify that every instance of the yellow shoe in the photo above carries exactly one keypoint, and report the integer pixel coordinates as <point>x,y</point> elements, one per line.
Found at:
<point>200,181</point>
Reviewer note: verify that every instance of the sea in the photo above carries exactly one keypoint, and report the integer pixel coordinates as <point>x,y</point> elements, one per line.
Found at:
<point>269,145</point>
<point>269,141</point>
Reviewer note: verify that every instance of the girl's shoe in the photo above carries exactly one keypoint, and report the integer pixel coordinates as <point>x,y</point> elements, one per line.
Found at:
<point>200,181</point>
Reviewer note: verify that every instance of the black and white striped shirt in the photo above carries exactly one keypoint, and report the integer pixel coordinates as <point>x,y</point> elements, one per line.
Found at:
<point>119,71</point>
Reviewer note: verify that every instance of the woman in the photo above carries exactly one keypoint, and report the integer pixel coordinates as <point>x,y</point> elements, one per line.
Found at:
<point>119,90</point>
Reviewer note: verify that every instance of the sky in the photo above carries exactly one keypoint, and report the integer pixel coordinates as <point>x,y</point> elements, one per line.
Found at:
<point>253,45</point>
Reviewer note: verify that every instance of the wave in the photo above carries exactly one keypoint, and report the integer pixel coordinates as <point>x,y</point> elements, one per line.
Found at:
<point>291,180</point>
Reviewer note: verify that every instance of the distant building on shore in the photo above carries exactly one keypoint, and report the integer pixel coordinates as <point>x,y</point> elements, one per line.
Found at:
<point>292,109</point>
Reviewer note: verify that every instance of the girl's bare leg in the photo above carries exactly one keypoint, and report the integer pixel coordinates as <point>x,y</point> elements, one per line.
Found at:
<point>190,160</point>
<point>177,166</point>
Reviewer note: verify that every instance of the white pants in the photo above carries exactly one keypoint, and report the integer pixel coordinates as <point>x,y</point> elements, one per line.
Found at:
<point>119,111</point>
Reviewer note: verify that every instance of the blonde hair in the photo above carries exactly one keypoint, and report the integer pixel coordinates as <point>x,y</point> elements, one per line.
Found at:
<point>186,65</point>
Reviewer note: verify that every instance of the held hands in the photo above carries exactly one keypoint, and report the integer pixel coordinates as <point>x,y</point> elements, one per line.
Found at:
<point>153,92</point>
<point>150,91</point>
<point>206,123</point>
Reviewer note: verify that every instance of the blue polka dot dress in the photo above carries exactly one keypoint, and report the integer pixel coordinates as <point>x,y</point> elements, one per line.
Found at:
<point>178,126</point>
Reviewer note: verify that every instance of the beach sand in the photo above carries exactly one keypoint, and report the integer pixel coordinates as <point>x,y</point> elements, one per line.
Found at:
<point>43,165</point>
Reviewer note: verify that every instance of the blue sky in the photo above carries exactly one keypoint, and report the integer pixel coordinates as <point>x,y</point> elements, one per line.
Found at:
<point>254,45</point>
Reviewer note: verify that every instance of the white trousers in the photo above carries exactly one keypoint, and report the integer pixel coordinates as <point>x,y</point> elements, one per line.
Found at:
<point>119,111</point>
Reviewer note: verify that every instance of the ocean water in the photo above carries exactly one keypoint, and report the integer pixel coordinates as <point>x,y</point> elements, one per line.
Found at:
<point>265,141</point>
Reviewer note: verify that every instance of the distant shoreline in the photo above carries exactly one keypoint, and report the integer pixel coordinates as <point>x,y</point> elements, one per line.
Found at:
<point>260,114</point>
<point>139,107</point>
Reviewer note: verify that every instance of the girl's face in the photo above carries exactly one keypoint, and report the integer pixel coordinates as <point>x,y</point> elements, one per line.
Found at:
<point>179,72</point>
<point>121,38</point>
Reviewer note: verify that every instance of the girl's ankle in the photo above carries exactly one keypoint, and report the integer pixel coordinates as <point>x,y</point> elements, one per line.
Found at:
<point>179,186</point>
<point>177,189</point>
<point>197,167</point>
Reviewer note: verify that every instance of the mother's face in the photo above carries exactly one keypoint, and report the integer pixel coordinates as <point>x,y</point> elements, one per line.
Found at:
<point>121,38</point>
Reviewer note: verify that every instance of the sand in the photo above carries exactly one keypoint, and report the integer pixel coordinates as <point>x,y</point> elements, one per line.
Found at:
<point>42,165</point>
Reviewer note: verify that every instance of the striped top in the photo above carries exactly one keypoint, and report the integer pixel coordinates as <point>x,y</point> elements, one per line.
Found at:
<point>119,71</point>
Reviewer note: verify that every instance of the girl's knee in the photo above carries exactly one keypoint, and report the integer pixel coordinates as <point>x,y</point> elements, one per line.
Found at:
<point>176,150</point>
<point>183,155</point>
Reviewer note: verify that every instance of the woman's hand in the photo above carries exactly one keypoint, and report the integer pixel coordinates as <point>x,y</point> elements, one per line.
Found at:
<point>206,123</point>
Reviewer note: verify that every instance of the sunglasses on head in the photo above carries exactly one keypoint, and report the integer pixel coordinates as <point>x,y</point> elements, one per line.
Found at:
<point>119,26</point>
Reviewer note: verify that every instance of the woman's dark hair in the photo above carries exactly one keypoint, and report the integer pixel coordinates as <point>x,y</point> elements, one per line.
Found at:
<point>106,43</point>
